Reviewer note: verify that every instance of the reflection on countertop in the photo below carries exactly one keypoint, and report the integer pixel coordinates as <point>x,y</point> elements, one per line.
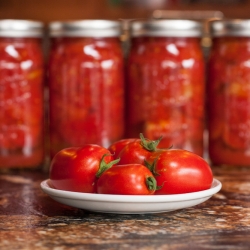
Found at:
<point>30,219</point>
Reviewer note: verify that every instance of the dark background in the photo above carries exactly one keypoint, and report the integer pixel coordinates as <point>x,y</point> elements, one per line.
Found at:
<point>51,10</point>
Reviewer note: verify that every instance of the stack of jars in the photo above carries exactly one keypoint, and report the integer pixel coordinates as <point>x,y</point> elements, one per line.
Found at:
<point>98,95</point>
<point>85,82</point>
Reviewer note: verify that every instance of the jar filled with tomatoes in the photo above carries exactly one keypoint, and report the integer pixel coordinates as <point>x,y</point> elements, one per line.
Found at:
<point>229,93</point>
<point>86,82</point>
<point>21,94</point>
<point>166,82</point>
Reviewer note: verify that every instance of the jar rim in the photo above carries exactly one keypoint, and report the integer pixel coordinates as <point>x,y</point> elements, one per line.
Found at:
<point>85,28</point>
<point>166,28</point>
<point>20,28</point>
<point>230,27</point>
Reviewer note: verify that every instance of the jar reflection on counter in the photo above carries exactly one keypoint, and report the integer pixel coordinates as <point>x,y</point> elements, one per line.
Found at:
<point>21,94</point>
<point>86,82</point>
<point>229,93</point>
<point>166,83</point>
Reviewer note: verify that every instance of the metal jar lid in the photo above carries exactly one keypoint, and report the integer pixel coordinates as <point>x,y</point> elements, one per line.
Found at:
<point>20,28</point>
<point>234,27</point>
<point>166,28</point>
<point>86,28</point>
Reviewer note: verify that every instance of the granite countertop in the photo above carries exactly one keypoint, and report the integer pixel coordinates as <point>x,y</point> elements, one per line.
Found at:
<point>30,219</point>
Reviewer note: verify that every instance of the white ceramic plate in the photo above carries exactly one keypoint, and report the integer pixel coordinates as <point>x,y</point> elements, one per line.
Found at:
<point>130,204</point>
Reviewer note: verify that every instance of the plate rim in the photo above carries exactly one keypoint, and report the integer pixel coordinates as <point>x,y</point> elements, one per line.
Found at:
<point>215,187</point>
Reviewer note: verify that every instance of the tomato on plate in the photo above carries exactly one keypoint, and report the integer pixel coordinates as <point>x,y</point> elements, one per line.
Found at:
<point>179,171</point>
<point>137,151</point>
<point>77,168</point>
<point>116,147</point>
<point>129,179</point>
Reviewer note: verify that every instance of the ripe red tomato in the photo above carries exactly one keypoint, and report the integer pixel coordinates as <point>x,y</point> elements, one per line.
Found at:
<point>130,179</point>
<point>179,171</point>
<point>117,146</point>
<point>137,151</point>
<point>75,169</point>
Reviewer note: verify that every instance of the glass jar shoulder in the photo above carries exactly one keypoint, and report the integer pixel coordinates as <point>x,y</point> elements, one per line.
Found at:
<point>18,50</point>
<point>97,49</point>
<point>159,48</point>
<point>230,49</point>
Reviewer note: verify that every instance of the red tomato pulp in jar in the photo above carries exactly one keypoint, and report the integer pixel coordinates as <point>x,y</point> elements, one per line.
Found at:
<point>166,83</point>
<point>86,81</point>
<point>229,93</point>
<point>21,94</point>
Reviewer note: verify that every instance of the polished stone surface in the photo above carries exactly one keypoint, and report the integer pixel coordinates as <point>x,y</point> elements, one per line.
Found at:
<point>30,219</point>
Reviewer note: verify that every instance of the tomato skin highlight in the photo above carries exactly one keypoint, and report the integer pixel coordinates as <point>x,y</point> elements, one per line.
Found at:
<point>75,168</point>
<point>118,146</point>
<point>129,179</point>
<point>179,171</point>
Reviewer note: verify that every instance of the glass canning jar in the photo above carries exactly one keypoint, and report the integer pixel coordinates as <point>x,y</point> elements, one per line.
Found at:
<point>86,83</point>
<point>21,94</point>
<point>229,93</point>
<point>166,81</point>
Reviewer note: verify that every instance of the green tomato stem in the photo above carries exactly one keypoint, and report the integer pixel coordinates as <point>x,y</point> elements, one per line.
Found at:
<point>105,166</point>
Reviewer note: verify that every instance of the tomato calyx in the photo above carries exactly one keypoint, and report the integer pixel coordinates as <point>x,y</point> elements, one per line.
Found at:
<point>151,183</point>
<point>105,166</point>
<point>150,145</point>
